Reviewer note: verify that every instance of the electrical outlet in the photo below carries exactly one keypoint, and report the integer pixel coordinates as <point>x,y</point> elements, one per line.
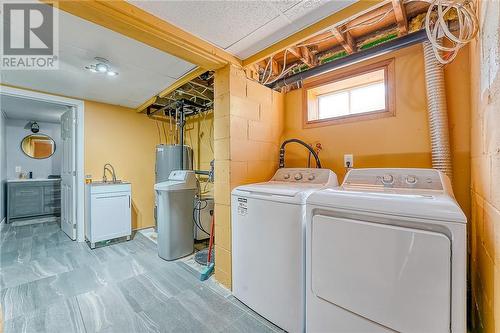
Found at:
<point>348,160</point>
<point>18,169</point>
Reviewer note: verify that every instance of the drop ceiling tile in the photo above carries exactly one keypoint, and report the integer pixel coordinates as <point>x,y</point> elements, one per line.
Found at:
<point>283,5</point>
<point>259,39</point>
<point>117,48</point>
<point>311,11</point>
<point>295,19</point>
<point>221,23</point>
<point>143,71</point>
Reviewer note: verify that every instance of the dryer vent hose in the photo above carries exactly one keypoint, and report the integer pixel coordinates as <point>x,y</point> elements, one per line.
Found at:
<point>438,114</point>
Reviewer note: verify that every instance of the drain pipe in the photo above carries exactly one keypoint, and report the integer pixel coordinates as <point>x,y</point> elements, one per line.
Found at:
<point>438,112</point>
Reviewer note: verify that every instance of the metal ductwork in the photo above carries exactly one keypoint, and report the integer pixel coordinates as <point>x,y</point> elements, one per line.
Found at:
<point>438,112</point>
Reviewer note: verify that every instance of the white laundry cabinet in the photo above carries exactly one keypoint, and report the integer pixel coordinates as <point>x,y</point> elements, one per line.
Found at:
<point>108,211</point>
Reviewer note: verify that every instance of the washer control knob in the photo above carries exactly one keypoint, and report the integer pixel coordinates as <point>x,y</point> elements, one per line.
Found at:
<point>311,177</point>
<point>298,176</point>
<point>286,176</point>
<point>387,179</point>
<point>412,180</point>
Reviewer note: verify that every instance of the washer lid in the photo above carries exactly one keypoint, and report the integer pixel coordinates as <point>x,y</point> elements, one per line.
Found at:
<point>292,185</point>
<point>278,191</point>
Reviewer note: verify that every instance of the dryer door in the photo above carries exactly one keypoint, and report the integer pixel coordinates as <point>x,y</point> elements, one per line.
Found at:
<point>394,276</point>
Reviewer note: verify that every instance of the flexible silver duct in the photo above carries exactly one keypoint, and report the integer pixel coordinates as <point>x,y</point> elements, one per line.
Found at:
<point>438,113</point>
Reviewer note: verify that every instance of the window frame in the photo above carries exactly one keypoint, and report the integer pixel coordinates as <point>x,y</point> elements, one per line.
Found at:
<point>331,77</point>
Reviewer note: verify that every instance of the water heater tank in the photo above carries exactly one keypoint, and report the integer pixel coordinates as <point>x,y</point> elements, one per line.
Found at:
<point>168,160</point>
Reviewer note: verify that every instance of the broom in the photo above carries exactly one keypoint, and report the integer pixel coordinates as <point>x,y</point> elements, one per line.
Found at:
<point>207,271</point>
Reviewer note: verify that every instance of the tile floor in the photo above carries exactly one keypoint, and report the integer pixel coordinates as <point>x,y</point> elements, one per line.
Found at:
<point>49,283</point>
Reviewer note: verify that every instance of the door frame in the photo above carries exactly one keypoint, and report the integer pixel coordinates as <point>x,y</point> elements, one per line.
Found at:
<point>79,106</point>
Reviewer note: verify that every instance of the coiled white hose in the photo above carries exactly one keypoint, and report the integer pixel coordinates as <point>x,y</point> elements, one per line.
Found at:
<point>437,27</point>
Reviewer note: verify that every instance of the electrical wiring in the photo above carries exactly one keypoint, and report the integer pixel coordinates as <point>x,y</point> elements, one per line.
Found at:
<point>369,23</point>
<point>282,70</point>
<point>158,128</point>
<point>270,69</point>
<point>164,131</point>
<point>203,125</point>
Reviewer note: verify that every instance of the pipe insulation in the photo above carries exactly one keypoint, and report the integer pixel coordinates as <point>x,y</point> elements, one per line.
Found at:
<point>437,111</point>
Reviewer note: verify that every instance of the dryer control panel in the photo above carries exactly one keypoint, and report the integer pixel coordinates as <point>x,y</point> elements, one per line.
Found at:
<point>421,179</point>
<point>305,175</point>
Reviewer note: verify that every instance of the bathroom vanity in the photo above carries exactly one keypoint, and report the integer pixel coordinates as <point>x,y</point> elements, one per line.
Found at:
<point>33,198</point>
<point>107,211</point>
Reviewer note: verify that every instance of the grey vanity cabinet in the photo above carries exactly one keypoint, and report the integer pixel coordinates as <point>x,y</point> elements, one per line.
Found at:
<point>33,198</point>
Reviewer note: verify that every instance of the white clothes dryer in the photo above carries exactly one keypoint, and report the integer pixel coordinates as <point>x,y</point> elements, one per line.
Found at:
<point>386,252</point>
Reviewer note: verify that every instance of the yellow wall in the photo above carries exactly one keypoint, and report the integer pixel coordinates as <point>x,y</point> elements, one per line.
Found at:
<point>247,128</point>
<point>400,141</point>
<point>127,140</point>
<point>485,172</point>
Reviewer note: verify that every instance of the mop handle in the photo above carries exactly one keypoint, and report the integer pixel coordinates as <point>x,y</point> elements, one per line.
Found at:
<point>211,242</point>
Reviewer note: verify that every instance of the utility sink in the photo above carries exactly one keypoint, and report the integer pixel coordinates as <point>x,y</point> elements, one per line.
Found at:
<point>116,182</point>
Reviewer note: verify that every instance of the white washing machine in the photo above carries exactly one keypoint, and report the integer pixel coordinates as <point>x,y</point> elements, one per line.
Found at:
<point>268,246</point>
<point>386,252</point>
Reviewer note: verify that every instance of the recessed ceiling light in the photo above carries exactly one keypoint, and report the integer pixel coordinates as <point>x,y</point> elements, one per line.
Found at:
<point>101,67</point>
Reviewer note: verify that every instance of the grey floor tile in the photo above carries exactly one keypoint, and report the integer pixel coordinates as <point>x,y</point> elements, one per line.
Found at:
<point>247,324</point>
<point>171,316</point>
<point>61,317</point>
<point>212,310</point>
<point>146,289</point>
<point>123,287</point>
<point>105,310</point>
<point>16,245</point>
<point>77,281</point>
<point>119,270</point>
<point>29,297</point>
<point>18,256</point>
<point>110,253</point>
<point>21,273</point>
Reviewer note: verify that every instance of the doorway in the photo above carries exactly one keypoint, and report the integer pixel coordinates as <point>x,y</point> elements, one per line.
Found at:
<point>72,159</point>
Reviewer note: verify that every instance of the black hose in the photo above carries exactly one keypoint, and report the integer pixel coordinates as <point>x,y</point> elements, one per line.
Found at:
<point>197,214</point>
<point>282,152</point>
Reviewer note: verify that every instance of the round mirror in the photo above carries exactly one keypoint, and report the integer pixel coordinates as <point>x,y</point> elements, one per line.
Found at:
<point>38,146</point>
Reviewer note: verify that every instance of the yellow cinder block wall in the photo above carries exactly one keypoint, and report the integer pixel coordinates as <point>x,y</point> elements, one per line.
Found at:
<point>484,233</point>
<point>248,123</point>
<point>400,141</point>
<point>126,139</point>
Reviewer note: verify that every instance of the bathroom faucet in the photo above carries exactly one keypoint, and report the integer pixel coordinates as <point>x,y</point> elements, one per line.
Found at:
<point>108,167</point>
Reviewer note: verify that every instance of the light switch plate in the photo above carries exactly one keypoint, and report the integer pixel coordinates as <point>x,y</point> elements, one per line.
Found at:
<point>18,169</point>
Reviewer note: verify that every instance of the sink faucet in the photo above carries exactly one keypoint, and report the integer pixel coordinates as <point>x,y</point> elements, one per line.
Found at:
<point>108,167</point>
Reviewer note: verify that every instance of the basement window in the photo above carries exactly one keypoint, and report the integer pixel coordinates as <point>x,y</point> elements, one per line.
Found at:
<point>351,95</point>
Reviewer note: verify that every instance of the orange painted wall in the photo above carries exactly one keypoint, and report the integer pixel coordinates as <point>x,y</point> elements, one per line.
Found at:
<point>400,141</point>
<point>127,140</point>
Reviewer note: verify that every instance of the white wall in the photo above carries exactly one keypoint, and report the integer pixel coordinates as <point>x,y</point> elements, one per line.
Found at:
<point>3,164</point>
<point>41,168</point>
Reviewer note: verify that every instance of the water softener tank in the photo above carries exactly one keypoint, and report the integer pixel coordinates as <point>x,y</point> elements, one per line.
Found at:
<point>175,198</point>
